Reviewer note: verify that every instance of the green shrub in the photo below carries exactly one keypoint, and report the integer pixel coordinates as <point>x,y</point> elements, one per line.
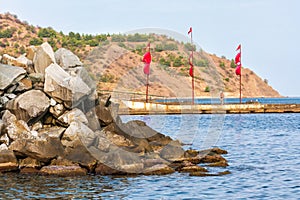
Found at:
<point>222,65</point>
<point>226,79</point>
<point>207,89</point>
<point>47,33</point>
<point>7,33</point>
<point>118,38</point>
<point>232,64</point>
<point>36,41</point>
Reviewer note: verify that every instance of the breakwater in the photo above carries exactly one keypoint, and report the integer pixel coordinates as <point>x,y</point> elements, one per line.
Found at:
<point>142,108</point>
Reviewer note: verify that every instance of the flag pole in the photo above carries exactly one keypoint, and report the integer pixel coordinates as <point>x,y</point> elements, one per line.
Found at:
<point>147,82</point>
<point>193,86</point>
<point>241,76</point>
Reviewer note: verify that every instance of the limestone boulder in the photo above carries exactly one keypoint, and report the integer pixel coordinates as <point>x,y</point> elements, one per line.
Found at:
<point>23,61</point>
<point>104,115</point>
<point>63,170</point>
<point>73,115</point>
<point>10,75</point>
<point>24,85</point>
<point>79,131</point>
<point>30,52</point>
<point>44,56</point>
<point>124,161</point>
<point>112,138</point>
<point>63,87</point>
<point>9,60</point>
<point>51,132</point>
<point>15,128</point>
<point>102,169</point>
<point>29,105</point>
<point>8,161</point>
<point>41,150</point>
<point>172,152</point>
<point>66,59</point>
<point>80,154</point>
<point>159,169</point>
<point>93,121</point>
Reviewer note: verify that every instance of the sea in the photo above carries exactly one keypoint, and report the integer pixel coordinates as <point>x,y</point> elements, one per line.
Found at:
<point>263,156</point>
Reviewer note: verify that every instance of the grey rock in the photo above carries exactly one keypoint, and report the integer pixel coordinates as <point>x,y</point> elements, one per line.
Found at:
<point>37,77</point>
<point>9,75</point>
<point>72,116</point>
<point>61,86</point>
<point>93,121</point>
<point>43,57</point>
<point>52,132</point>
<point>28,105</point>
<point>79,131</point>
<point>41,150</point>
<point>66,59</point>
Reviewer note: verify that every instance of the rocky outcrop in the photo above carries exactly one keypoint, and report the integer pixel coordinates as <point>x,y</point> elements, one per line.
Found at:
<point>52,122</point>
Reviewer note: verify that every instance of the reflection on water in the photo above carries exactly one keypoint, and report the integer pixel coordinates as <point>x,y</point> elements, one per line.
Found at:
<point>264,151</point>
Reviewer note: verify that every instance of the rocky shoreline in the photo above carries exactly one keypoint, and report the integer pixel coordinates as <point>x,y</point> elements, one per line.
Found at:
<point>53,122</point>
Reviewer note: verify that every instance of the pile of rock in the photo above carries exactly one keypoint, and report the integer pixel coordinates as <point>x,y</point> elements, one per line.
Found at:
<point>52,121</point>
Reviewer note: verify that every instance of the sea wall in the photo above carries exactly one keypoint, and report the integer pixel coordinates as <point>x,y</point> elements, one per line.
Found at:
<point>143,108</point>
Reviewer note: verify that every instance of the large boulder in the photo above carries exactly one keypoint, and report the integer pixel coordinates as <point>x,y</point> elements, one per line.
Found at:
<point>79,131</point>
<point>41,150</point>
<point>8,161</point>
<point>14,128</point>
<point>66,59</point>
<point>73,115</point>
<point>63,87</point>
<point>29,105</point>
<point>10,75</point>
<point>63,170</point>
<point>43,57</point>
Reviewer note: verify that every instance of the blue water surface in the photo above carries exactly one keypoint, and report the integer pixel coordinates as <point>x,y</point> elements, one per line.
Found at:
<point>263,154</point>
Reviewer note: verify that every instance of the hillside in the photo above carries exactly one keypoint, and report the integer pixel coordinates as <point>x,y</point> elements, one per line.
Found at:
<point>115,62</point>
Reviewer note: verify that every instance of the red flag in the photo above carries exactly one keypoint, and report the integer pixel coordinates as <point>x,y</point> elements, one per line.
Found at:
<point>191,66</point>
<point>238,70</point>
<point>147,57</point>
<point>147,68</point>
<point>147,60</point>
<point>238,59</point>
<point>190,30</point>
<point>238,48</point>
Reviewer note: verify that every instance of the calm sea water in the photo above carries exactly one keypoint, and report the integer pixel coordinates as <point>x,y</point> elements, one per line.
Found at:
<point>264,158</point>
<point>283,100</point>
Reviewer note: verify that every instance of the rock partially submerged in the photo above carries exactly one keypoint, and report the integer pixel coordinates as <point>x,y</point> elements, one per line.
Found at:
<point>52,122</point>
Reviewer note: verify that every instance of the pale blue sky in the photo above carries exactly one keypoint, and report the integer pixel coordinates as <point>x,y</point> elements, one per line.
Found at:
<point>268,30</point>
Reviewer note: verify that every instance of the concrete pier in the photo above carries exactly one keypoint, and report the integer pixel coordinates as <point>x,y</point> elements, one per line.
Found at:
<point>142,108</point>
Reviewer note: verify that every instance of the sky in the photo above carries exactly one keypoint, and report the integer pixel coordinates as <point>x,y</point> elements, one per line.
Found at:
<point>268,30</point>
